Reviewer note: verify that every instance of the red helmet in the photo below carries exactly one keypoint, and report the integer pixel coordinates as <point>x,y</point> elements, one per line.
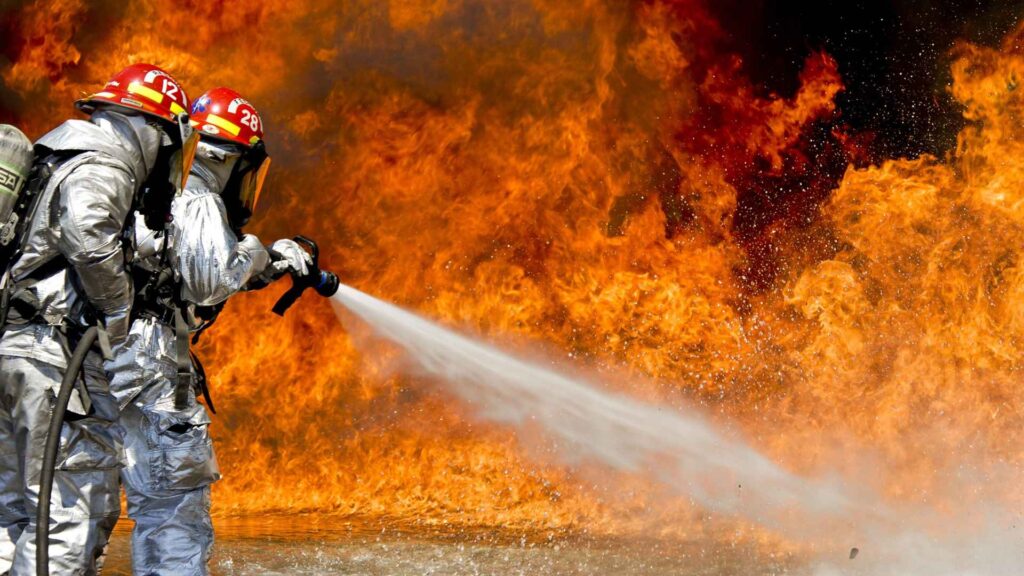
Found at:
<point>142,87</point>
<point>223,113</point>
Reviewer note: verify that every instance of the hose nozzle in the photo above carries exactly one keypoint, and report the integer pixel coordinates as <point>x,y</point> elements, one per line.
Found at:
<point>327,286</point>
<point>325,283</point>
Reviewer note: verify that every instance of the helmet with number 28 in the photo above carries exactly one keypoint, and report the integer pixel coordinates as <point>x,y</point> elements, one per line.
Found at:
<point>222,114</point>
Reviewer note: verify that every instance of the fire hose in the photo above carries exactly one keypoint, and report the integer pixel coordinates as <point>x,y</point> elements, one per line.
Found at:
<point>50,451</point>
<point>323,282</point>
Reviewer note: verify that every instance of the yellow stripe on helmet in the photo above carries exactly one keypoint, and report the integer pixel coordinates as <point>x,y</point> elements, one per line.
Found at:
<point>146,91</point>
<point>223,124</point>
<point>176,108</point>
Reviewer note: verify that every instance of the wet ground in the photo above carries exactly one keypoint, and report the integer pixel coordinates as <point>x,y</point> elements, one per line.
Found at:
<point>279,546</point>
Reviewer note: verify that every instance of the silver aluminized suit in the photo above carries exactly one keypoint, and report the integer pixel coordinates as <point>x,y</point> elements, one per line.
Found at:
<point>72,258</point>
<point>169,456</point>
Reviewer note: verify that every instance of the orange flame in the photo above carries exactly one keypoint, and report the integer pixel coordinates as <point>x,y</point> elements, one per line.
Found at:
<point>571,176</point>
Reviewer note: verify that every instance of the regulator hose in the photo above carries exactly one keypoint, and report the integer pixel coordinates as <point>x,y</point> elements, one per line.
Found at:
<point>50,451</point>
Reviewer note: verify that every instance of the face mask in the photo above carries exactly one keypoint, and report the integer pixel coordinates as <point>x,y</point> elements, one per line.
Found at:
<point>243,190</point>
<point>253,175</point>
<point>169,174</point>
<point>182,157</point>
<point>159,189</point>
<point>181,162</point>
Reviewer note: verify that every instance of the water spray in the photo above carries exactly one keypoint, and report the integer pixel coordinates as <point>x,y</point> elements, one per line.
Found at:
<point>685,452</point>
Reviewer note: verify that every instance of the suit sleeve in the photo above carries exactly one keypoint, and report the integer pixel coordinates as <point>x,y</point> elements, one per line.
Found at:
<point>213,263</point>
<point>94,202</point>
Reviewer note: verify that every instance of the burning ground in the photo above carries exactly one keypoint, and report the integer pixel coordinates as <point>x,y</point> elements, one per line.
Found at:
<point>646,190</point>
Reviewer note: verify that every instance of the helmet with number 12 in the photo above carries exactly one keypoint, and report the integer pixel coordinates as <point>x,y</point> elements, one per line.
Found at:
<point>147,89</point>
<point>144,88</point>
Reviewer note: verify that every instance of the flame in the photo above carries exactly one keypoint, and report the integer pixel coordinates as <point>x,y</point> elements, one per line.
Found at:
<point>600,180</point>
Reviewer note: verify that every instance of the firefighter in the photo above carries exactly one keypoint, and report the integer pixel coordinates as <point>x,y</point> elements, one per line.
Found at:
<point>70,273</point>
<point>170,462</point>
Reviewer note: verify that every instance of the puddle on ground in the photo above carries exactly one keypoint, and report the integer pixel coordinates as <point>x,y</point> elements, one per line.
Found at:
<point>315,546</point>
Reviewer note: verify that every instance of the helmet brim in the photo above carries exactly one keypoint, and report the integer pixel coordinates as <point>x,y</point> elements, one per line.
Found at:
<point>92,103</point>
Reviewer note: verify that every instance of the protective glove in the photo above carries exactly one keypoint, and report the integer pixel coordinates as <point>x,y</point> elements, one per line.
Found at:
<point>286,256</point>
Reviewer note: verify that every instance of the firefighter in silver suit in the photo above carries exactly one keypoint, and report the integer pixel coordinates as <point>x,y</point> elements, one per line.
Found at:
<point>170,462</point>
<point>71,273</point>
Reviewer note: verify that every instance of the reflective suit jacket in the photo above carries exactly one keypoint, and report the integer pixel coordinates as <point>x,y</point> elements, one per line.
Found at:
<point>209,262</point>
<point>209,258</point>
<point>81,217</point>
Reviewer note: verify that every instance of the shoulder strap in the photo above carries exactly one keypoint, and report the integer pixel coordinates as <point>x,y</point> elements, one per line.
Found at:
<point>184,360</point>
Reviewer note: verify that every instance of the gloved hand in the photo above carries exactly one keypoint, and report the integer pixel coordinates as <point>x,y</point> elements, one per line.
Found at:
<point>286,257</point>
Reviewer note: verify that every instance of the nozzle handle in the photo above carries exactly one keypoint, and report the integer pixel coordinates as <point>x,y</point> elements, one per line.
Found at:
<point>314,250</point>
<point>288,298</point>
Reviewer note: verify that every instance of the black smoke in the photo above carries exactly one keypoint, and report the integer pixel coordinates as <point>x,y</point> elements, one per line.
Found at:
<point>894,58</point>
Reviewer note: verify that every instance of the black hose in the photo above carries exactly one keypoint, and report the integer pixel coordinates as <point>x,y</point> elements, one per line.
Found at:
<point>50,452</point>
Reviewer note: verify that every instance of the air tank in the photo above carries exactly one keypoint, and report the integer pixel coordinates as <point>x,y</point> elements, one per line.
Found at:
<point>15,163</point>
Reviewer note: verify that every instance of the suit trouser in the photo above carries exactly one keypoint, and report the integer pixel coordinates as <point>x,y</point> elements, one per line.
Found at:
<point>169,459</point>
<point>85,504</point>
